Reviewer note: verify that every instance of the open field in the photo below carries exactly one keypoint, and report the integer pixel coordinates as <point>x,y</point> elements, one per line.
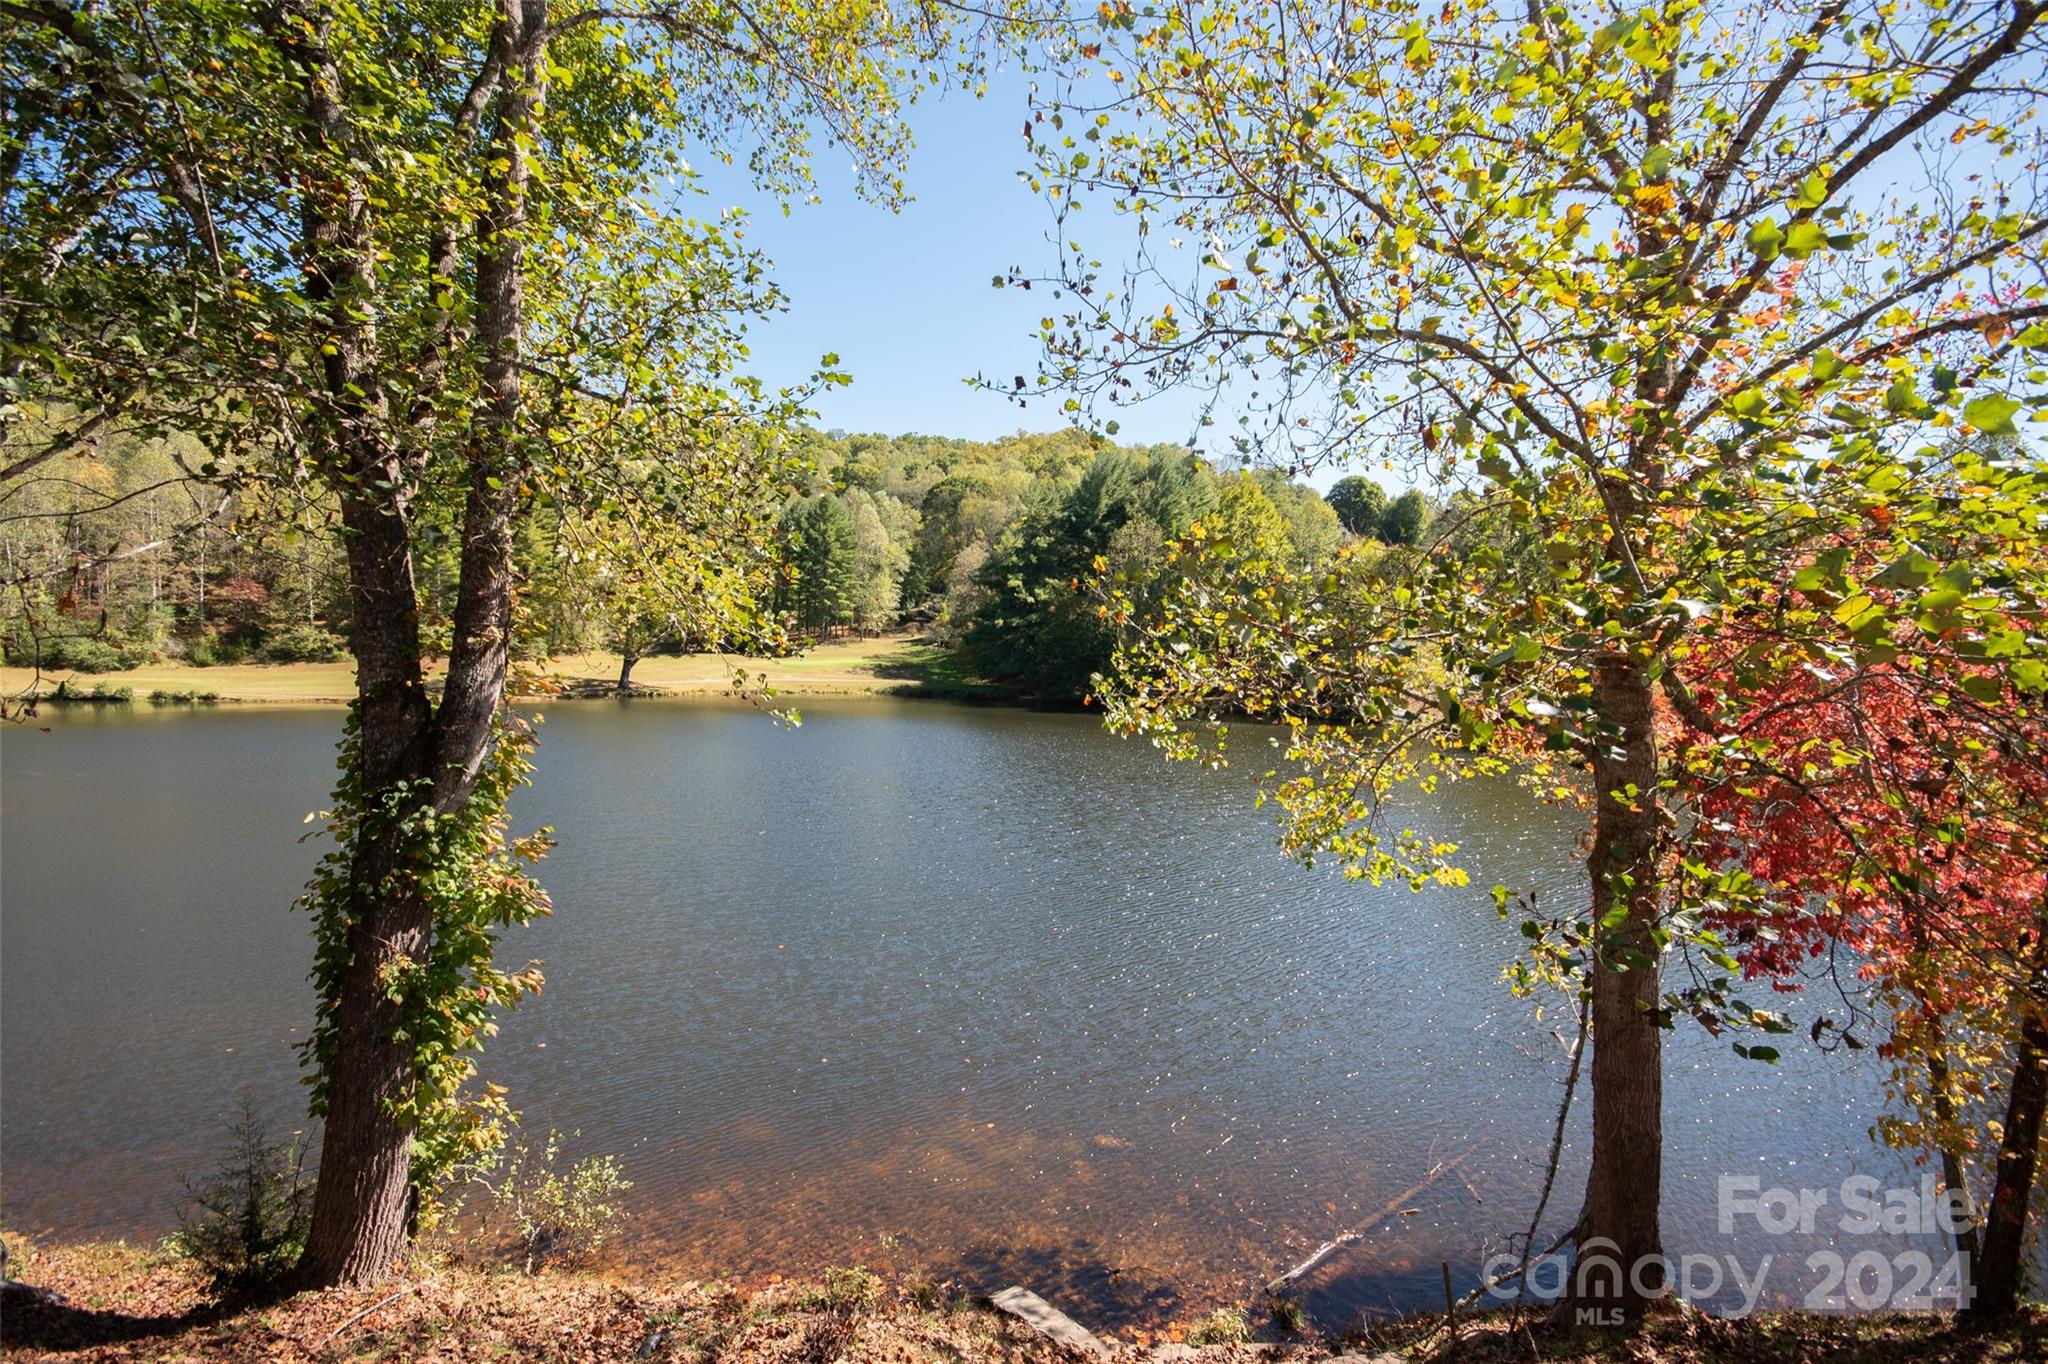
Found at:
<point>901,664</point>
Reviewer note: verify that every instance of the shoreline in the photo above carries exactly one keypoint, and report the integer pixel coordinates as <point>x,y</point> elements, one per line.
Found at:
<point>899,666</point>
<point>110,1301</point>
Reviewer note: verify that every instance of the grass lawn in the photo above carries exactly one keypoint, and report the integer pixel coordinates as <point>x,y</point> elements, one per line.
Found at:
<point>900,664</point>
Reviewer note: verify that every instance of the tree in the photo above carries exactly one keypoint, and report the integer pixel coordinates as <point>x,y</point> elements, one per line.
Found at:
<point>1359,503</point>
<point>418,258</point>
<point>1892,814</point>
<point>687,559</point>
<point>1894,806</point>
<point>1406,519</point>
<point>1642,273</point>
<point>823,586</point>
<point>1036,627</point>
<point>1180,491</point>
<point>1247,520</point>
<point>881,527</point>
<point>1313,530</point>
<point>946,526</point>
<point>965,593</point>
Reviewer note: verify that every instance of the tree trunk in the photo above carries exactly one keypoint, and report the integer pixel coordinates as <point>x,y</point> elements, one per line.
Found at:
<point>1956,1180</point>
<point>626,661</point>
<point>363,1211</point>
<point>482,646</point>
<point>362,1208</point>
<point>360,1203</point>
<point>1620,1250</point>
<point>1955,1175</point>
<point>2003,1263</point>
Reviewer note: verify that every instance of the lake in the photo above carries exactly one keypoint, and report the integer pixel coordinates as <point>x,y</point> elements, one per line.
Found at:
<point>959,991</point>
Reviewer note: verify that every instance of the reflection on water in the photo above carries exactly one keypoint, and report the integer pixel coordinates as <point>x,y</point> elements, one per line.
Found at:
<point>953,991</point>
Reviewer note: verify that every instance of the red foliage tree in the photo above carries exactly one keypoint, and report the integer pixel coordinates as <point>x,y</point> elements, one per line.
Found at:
<point>1884,797</point>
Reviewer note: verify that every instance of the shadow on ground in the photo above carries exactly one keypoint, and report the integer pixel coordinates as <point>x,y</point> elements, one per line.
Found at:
<point>31,1318</point>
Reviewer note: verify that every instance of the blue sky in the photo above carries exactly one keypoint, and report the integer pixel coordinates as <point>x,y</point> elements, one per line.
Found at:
<point>905,298</point>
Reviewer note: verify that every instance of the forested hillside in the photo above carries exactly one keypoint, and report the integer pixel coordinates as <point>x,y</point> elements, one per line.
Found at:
<point>123,555</point>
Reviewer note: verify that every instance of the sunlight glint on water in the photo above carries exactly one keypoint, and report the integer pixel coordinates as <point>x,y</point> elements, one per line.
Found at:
<point>956,991</point>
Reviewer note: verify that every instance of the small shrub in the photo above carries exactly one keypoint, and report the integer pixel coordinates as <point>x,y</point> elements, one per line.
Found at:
<point>554,1214</point>
<point>1225,1326</point>
<point>183,697</point>
<point>1287,1315</point>
<point>844,1288</point>
<point>68,653</point>
<point>304,644</point>
<point>64,694</point>
<point>245,1226</point>
<point>214,650</point>
<point>932,1295</point>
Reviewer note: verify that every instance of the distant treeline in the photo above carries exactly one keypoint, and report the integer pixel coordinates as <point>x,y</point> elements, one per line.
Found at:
<point>122,557</point>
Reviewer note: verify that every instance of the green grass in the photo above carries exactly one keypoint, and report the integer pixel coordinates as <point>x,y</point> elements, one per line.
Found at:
<point>891,665</point>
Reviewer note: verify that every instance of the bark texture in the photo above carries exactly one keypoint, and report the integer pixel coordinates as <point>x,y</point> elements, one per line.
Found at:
<point>1619,1243</point>
<point>359,1206</point>
<point>2002,1265</point>
<point>410,751</point>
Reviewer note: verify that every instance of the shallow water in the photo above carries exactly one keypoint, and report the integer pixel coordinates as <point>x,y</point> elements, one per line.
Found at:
<point>958,991</point>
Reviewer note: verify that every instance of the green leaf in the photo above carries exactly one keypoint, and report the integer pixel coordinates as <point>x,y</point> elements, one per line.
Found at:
<point>1911,569</point>
<point>1992,414</point>
<point>1615,32</point>
<point>1804,239</point>
<point>1983,687</point>
<point>1858,611</point>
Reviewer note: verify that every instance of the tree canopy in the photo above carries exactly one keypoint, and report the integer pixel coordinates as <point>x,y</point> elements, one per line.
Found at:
<point>1640,274</point>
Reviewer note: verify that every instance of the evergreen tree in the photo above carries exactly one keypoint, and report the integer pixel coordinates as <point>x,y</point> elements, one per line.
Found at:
<point>1179,490</point>
<point>1038,627</point>
<point>823,562</point>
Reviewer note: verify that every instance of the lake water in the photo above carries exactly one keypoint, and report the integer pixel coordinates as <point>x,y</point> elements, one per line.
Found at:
<point>968,992</point>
